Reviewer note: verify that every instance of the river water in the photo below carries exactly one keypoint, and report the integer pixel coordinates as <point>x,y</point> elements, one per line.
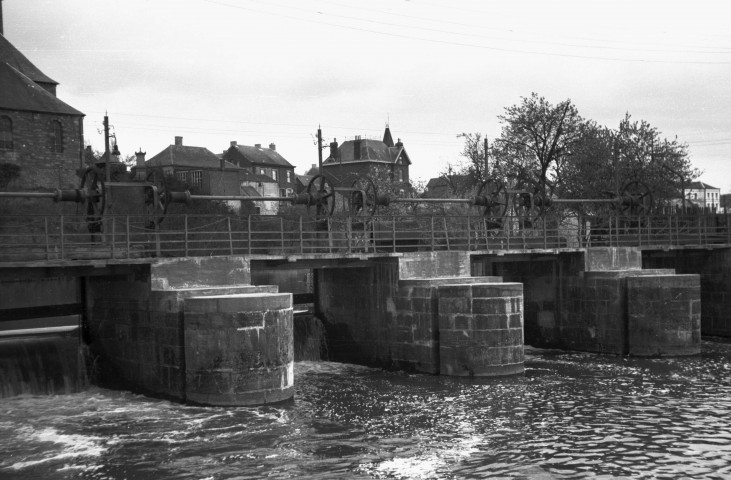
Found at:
<point>571,415</point>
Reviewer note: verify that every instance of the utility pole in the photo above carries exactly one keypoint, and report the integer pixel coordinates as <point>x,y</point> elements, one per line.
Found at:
<point>107,155</point>
<point>487,165</point>
<point>319,149</point>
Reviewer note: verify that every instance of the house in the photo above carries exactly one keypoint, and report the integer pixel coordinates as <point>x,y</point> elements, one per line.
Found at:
<point>258,185</point>
<point>263,161</point>
<point>41,137</point>
<point>202,170</point>
<point>362,156</point>
<point>703,195</point>
<point>449,186</point>
<point>302,182</point>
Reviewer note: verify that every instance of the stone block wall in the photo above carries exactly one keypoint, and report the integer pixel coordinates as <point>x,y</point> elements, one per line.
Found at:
<point>714,268</point>
<point>594,310</point>
<point>238,349</point>
<point>664,315</point>
<point>434,265</point>
<point>185,272</point>
<point>612,258</point>
<point>415,345</point>
<point>481,329</point>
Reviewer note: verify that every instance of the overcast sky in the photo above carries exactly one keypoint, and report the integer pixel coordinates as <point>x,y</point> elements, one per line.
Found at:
<point>271,71</point>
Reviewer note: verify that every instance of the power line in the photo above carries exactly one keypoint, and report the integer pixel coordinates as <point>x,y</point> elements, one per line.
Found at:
<point>470,45</point>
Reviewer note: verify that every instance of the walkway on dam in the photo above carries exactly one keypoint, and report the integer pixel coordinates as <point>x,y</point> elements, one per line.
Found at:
<point>133,239</point>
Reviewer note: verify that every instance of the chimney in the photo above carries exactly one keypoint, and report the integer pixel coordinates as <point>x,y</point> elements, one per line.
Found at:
<point>257,145</point>
<point>272,147</point>
<point>178,141</point>
<point>223,164</point>
<point>399,144</point>
<point>140,158</point>
<point>334,148</point>
<point>356,148</point>
<point>233,143</point>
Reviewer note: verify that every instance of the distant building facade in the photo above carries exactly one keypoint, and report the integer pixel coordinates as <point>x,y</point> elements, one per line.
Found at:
<point>703,195</point>
<point>362,156</point>
<point>41,137</point>
<point>263,161</point>
<point>202,170</point>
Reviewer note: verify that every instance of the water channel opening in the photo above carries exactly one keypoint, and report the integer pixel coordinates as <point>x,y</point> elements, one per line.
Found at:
<point>44,361</point>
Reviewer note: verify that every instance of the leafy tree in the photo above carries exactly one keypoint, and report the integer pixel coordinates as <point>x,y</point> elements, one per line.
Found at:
<point>537,138</point>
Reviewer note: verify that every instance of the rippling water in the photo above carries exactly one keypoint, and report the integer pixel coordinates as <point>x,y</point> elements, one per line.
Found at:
<point>572,415</point>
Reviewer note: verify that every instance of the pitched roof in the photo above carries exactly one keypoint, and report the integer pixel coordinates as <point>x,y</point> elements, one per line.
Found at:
<point>249,191</point>
<point>256,177</point>
<point>700,186</point>
<point>370,151</point>
<point>12,56</point>
<point>262,156</point>
<point>304,179</point>
<point>185,156</point>
<point>20,92</point>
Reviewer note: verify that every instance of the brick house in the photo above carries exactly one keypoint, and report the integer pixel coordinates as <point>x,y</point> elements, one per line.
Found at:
<point>203,171</point>
<point>39,133</point>
<point>263,161</point>
<point>361,156</point>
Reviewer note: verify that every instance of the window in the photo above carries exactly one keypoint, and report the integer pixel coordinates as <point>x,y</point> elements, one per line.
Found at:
<point>194,178</point>
<point>262,171</point>
<point>6,133</point>
<point>400,174</point>
<point>282,192</point>
<point>56,139</point>
<point>289,176</point>
<point>274,173</point>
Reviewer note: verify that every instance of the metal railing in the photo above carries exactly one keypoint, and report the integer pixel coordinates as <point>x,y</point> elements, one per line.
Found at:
<point>28,238</point>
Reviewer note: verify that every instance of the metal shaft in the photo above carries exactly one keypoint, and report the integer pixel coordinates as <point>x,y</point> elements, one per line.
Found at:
<point>29,194</point>
<point>432,200</point>
<point>242,197</point>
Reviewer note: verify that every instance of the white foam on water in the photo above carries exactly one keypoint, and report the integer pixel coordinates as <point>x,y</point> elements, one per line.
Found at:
<point>411,467</point>
<point>72,446</point>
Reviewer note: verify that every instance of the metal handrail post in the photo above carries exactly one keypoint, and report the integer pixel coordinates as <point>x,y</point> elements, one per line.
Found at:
<point>114,231</point>
<point>248,233</point>
<point>446,232</point>
<point>129,244</point>
<point>349,233</point>
<point>230,237</point>
<point>393,230</point>
<point>302,240</point>
<point>61,240</point>
<point>48,246</point>
<point>469,234</point>
<point>281,232</point>
<point>432,233</point>
<point>185,235</point>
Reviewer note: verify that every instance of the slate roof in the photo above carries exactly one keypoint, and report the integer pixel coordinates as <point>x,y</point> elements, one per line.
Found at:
<point>370,151</point>
<point>12,56</point>
<point>190,157</point>
<point>20,92</point>
<point>263,156</point>
<point>699,186</point>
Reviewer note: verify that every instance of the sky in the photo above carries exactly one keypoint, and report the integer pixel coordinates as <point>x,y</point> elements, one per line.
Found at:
<point>272,71</point>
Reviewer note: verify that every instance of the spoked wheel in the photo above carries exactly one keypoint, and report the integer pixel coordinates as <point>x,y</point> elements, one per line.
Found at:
<point>156,198</point>
<point>492,199</point>
<point>363,198</point>
<point>531,202</point>
<point>635,198</point>
<point>92,185</point>
<point>321,195</point>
